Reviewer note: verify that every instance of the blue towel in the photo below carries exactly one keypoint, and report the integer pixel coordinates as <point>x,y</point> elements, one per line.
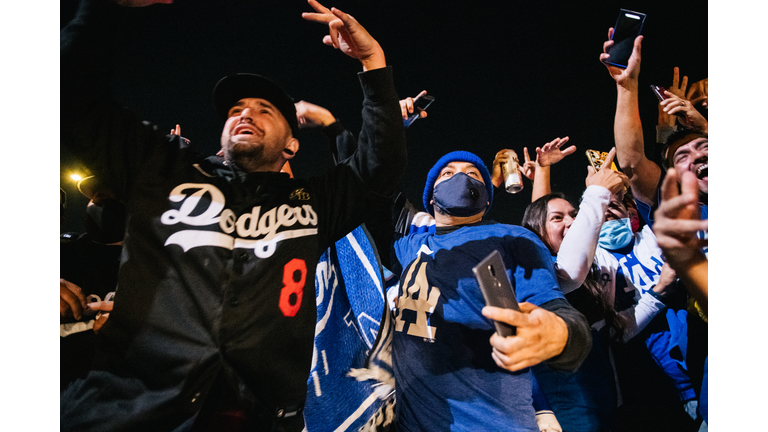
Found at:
<point>351,385</point>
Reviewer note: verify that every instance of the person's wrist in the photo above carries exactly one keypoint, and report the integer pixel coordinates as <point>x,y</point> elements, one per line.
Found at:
<point>327,120</point>
<point>660,296</point>
<point>666,120</point>
<point>560,337</point>
<point>627,85</point>
<point>603,188</point>
<point>702,125</point>
<point>691,264</point>
<point>374,61</point>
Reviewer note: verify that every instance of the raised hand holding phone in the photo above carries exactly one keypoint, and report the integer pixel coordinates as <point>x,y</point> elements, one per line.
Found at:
<point>625,76</point>
<point>611,179</point>
<point>688,115</point>
<point>629,25</point>
<point>415,108</point>
<point>597,159</point>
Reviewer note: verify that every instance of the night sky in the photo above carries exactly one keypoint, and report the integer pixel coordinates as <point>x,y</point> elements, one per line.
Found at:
<point>508,74</point>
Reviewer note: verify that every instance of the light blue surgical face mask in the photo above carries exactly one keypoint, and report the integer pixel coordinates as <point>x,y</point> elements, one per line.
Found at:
<point>615,234</point>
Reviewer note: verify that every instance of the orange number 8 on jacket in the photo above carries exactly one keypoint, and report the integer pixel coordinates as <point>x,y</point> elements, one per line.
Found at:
<point>292,286</point>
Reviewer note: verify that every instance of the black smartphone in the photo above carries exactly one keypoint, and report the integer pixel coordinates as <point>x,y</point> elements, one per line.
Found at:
<point>491,275</point>
<point>419,104</point>
<point>629,25</point>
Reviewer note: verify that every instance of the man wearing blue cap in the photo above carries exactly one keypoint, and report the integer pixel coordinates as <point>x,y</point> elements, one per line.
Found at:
<point>214,315</point>
<point>452,371</point>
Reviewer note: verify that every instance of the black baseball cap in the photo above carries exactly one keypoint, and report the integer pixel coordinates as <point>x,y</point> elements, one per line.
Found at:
<point>230,89</point>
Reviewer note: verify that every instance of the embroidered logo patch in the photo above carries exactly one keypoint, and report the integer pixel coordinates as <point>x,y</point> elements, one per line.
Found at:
<point>299,194</point>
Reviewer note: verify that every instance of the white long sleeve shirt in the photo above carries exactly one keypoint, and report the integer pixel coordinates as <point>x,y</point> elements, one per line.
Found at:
<point>638,271</point>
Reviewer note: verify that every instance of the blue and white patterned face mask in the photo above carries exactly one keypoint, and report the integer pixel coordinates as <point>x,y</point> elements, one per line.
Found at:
<point>460,195</point>
<point>615,234</point>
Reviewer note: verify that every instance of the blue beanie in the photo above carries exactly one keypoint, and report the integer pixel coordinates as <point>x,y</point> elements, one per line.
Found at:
<point>456,156</point>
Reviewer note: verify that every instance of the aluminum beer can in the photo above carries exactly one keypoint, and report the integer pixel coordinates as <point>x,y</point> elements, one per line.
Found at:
<point>513,180</point>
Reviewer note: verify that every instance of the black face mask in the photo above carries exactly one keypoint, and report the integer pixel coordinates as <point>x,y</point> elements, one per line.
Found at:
<point>461,195</point>
<point>105,221</point>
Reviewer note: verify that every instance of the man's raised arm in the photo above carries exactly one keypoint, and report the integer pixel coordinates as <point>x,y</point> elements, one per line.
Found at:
<point>643,173</point>
<point>381,156</point>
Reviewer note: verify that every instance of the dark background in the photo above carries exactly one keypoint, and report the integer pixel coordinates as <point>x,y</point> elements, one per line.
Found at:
<point>505,74</point>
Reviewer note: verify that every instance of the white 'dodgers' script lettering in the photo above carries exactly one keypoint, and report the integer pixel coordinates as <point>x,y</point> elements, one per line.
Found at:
<point>248,227</point>
<point>190,202</point>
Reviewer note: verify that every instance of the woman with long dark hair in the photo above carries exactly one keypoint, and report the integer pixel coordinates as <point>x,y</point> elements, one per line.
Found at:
<point>582,244</point>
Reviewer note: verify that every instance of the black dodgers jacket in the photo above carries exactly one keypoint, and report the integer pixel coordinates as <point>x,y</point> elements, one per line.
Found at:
<point>217,272</point>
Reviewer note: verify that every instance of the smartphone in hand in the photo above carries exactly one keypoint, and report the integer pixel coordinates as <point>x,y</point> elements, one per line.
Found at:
<point>659,92</point>
<point>419,104</point>
<point>596,159</point>
<point>629,25</point>
<point>491,275</point>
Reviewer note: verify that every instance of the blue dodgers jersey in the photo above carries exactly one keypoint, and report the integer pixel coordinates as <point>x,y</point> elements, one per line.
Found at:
<point>638,268</point>
<point>445,376</point>
<point>646,213</point>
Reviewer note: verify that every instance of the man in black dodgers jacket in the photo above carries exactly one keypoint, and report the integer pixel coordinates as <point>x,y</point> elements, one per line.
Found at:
<point>215,307</point>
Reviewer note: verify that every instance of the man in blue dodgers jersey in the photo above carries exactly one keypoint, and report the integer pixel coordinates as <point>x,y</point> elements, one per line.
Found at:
<point>686,150</point>
<point>452,372</point>
<point>215,309</point>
